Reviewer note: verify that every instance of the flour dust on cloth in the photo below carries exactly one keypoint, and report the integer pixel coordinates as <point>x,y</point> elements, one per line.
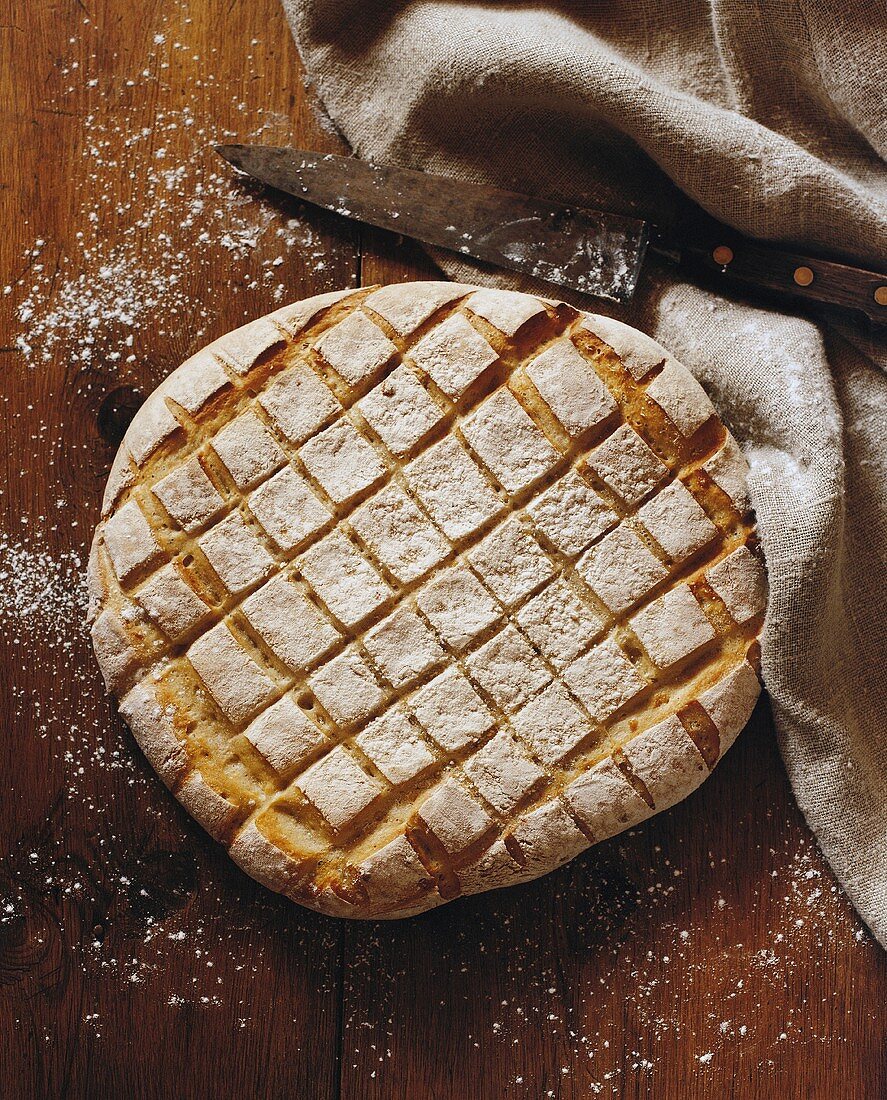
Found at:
<point>771,116</point>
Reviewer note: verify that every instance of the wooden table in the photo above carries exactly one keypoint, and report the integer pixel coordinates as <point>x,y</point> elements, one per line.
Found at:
<point>707,954</point>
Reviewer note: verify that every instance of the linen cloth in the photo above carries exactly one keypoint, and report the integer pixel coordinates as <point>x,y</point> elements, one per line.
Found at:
<point>772,116</point>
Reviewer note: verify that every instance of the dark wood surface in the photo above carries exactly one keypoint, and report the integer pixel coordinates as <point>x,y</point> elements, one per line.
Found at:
<point>707,954</point>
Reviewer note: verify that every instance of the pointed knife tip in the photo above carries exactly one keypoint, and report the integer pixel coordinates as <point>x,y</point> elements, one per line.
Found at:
<point>235,155</point>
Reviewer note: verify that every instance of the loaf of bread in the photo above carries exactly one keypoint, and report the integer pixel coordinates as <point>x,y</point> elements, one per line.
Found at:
<point>412,592</point>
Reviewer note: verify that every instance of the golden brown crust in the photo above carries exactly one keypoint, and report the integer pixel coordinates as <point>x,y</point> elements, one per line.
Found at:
<point>418,591</point>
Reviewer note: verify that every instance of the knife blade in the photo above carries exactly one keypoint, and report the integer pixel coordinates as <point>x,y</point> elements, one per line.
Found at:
<point>589,250</point>
<point>592,251</point>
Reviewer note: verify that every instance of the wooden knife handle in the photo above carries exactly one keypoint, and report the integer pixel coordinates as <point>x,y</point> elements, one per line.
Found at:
<point>741,260</point>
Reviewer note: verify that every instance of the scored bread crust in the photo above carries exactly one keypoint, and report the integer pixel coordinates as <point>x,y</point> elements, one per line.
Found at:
<point>335,523</point>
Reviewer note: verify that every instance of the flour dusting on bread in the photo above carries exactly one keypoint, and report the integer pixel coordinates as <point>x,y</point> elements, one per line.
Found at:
<point>417,591</point>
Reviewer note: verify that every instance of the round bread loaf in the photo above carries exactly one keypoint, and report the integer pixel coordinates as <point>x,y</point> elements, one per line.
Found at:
<point>412,592</point>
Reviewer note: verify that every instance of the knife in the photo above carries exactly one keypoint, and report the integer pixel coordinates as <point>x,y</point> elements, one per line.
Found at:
<point>592,251</point>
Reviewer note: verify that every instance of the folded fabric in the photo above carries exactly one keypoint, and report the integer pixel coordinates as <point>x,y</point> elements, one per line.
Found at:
<point>771,116</point>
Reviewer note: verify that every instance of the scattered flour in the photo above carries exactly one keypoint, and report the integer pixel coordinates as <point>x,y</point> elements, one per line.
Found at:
<point>42,595</point>
<point>657,991</point>
<point>150,260</point>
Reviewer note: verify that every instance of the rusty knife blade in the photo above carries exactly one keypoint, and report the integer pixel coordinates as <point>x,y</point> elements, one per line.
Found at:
<point>589,250</point>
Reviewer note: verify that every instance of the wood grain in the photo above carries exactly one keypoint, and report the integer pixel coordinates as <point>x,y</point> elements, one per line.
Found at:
<point>707,954</point>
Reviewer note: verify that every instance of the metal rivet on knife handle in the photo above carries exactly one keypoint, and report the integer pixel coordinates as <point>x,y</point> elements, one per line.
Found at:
<point>881,295</point>
<point>803,276</point>
<point>722,255</point>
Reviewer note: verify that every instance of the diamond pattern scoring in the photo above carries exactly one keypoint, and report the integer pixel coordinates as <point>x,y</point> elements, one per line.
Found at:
<point>422,602</point>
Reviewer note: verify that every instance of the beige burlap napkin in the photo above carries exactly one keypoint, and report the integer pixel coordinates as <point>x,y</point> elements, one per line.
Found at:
<point>772,116</point>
